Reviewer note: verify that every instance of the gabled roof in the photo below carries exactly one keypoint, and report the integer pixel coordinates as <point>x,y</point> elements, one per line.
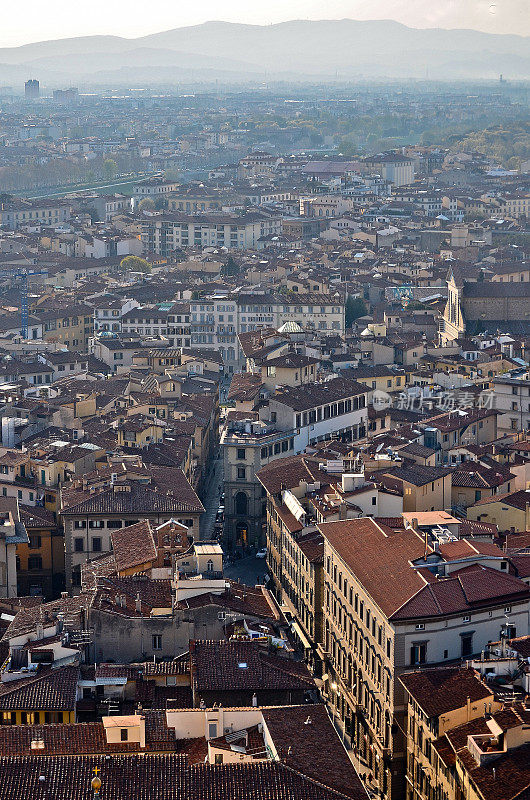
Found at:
<point>48,690</point>
<point>133,545</point>
<point>465,591</point>
<point>439,691</point>
<point>135,497</point>
<point>286,473</point>
<point>380,559</point>
<point>243,666</point>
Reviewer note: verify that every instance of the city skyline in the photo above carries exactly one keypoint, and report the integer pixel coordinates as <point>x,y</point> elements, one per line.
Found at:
<point>37,25</point>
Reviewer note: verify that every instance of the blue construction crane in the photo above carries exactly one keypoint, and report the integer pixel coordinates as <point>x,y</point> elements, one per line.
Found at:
<point>25,274</point>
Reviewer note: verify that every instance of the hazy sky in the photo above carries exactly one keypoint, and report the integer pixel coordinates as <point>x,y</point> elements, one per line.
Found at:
<point>54,19</point>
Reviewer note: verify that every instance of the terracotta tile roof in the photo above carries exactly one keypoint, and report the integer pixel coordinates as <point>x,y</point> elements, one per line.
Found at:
<point>254,601</point>
<point>477,476</point>
<point>517,499</point>
<point>522,645</point>
<point>312,546</point>
<point>37,517</point>
<point>138,498</point>
<point>417,475</point>
<point>306,741</point>
<point>217,666</point>
<point>48,690</point>
<point>438,691</point>
<point>468,589</point>
<point>149,695</point>
<point>133,545</point>
<point>244,386</point>
<point>152,593</point>
<point>27,618</point>
<point>464,548</point>
<point>469,527</point>
<point>302,398</point>
<point>453,420</point>
<point>287,473</point>
<point>82,738</point>
<point>132,777</point>
<point>511,778</point>
<point>379,557</point>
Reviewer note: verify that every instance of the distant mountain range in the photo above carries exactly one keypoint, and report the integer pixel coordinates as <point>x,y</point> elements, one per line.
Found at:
<point>301,50</point>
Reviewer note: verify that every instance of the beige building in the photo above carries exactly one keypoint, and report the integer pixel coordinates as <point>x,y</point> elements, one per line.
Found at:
<point>383,616</point>
<point>438,700</point>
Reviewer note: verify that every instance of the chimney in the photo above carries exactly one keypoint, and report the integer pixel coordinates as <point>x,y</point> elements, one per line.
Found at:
<point>64,595</point>
<point>414,523</point>
<point>142,732</point>
<point>468,708</point>
<point>138,603</point>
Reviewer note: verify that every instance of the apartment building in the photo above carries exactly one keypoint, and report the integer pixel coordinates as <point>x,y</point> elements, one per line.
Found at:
<point>170,321</point>
<point>459,428</point>
<point>301,492</point>
<point>335,408</point>
<point>72,326</point>
<point>214,326</point>
<point>154,187</point>
<point>321,312</point>
<point>12,534</point>
<point>247,445</point>
<point>439,700</point>
<point>476,758</point>
<point>392,602</point>
<point>395,168</point>
<point>19,213</point>
<point>217,320</point>
<point>108,313</point>
<point>164,233</point>
<point>89,512</point>
<point>512,400</point>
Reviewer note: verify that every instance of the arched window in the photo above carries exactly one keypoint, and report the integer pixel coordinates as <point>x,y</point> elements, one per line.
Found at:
<point>209,565</point>
<point>241,503</point>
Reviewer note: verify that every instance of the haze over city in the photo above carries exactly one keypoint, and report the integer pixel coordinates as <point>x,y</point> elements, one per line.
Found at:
<point>54,20</point>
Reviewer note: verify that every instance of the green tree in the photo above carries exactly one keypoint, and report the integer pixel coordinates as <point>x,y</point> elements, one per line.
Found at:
<point>230,267</point>
<point>355,308</point>
<point>134,264</point>
<point>146,204</point>
<point>109,168</point>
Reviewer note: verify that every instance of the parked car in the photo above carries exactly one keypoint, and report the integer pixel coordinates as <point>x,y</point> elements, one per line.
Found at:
<point>262,553</point>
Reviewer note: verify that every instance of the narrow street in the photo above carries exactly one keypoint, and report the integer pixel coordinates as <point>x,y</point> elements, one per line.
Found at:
<point>210,500</point>
<point>249,571</point>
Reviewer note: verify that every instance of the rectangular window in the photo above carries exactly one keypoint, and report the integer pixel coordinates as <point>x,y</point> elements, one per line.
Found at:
<point>96,544</point>
<point>241,453</point>
<point>418,653</point>
<point>241,473</point>
<point>124,734</point>
<point>79,545</point>
<point>157,641</point>
<point>467,644</point>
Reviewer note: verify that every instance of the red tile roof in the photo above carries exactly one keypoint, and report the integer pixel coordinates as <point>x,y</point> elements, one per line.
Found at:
<point>438,691</point>
<point>216,666</point>
<point>48,690</point>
